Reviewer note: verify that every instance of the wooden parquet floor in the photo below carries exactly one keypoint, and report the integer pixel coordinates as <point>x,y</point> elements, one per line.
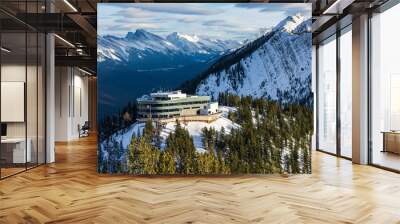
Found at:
<point>70,191</point>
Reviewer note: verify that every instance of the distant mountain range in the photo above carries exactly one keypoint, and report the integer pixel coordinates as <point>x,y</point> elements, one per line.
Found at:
<point>142,44</point>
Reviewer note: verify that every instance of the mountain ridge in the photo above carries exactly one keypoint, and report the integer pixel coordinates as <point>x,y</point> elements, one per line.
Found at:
<point>276,66</point>
<point>137,44</point>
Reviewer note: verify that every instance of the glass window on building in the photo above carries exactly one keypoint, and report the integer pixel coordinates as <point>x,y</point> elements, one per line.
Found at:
<point>346,92</point>
<point>385,89</point>
<point>327,96</point>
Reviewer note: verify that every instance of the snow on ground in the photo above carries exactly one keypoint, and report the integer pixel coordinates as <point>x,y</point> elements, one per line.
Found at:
<point>225,110</point>
<point>194,127</point>
<point>123,137</point>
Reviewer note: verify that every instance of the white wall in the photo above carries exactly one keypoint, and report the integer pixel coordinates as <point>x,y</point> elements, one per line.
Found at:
<point>71,102</point>
<point>13,100</point>
<point>33,126</point>
<point>12,73</point>
<point>17,73</point>
<point>62,82</point>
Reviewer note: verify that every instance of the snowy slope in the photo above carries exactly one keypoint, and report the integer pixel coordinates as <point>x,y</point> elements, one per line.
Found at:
<point>275,66</point>
<point>194,129</point>
<point>123,137</point>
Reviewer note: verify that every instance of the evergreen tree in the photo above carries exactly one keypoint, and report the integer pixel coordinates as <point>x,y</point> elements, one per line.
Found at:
<point>286,163</point>
<point>206,163</point>
<point>167,163</point>
<point>306,160</point>
<point>294,160</point>
<point>143,157</point>
<point>273,137</point>
<point>134,164</point>
<point>157,137</point>
<point>209,137</point>
<point>148,130</point>
<point>180,143</point>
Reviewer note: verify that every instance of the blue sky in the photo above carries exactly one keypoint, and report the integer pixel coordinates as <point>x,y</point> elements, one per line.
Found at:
<point>224,21</point>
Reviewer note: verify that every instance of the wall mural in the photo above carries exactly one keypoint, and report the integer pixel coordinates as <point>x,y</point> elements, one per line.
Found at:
<point>204,88</point>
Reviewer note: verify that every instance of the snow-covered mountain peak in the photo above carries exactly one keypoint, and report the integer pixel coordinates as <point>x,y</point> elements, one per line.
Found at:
<point>290,23</point>
<point>141,34</point>
<point>187,37</point>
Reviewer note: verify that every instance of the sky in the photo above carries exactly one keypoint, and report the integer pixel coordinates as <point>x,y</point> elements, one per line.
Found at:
<point>238,21</point>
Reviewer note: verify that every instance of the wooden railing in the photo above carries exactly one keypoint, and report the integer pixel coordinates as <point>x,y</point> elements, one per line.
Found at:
<point>201,118</point>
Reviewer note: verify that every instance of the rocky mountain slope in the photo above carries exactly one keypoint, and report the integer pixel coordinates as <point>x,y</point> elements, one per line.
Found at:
<point>276,66</point>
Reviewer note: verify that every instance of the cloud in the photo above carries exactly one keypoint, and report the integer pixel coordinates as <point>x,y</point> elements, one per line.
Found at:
<point>238,21</point>
<point>288,8</point>
<point>125,27</point>
<point>176,8</point>
<point>132,21</point>
<point>250,5</point>
<point>188,20</point>
<point>219,23</point>
<point>133,13</point>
